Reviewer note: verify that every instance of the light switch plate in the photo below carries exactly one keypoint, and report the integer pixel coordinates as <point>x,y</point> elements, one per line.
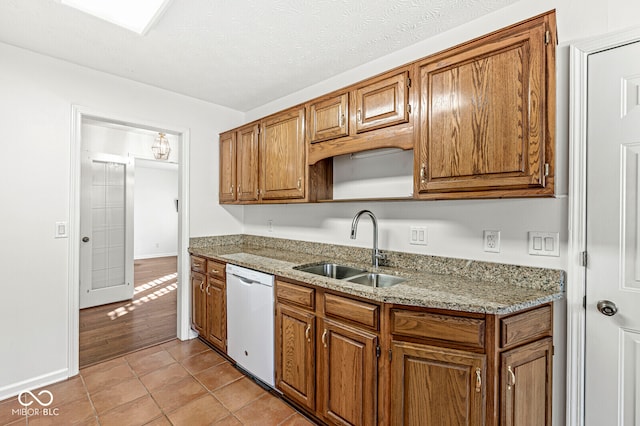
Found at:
<point>544,243</point>
<point>61,230</point>
<point>418,235</point>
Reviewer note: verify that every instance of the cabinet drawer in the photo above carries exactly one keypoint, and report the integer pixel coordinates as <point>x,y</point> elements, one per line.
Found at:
<point>362,313</point>
<point>198,264</point>
<point>216,269</point>
<point>525,327</point>
<point>446,328</point>
<point>296,294</point>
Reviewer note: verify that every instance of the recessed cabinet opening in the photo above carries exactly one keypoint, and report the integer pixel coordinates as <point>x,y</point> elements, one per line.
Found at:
<point>380,173</point>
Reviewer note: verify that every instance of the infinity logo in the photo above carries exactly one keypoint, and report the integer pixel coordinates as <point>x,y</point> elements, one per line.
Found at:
<point>44,404</point>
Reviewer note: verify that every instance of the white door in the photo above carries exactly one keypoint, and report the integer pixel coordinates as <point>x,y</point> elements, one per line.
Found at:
<point>106,228</point>
<point>612,382</point>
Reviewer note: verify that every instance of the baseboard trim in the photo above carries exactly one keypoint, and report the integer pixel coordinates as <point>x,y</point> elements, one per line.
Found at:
<point>33,383</point>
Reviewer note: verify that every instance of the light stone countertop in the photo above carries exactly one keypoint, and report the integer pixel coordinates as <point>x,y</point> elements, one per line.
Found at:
<point>514,288</point>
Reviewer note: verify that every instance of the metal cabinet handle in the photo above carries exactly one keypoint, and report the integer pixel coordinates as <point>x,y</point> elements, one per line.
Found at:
<point>423,173</point>
<point>607,307</point>
<point>306,333</point>
<point>512,378</point>
<point>231,189</point>
<point>341,120</point>
<point>299,184</point>
<point>207,290</point>
<point>359,115</point>
<point>478,380</point>
<point>214,271</point>
<point>202,286</point>
<point>238,189</point>
<point>324,338</point>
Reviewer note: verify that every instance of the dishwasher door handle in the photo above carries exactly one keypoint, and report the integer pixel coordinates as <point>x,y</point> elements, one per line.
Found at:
<point>245,281</point>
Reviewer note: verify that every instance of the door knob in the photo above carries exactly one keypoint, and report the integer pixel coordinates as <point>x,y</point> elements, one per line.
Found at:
<point>85,239</point>
<point>607,307</point>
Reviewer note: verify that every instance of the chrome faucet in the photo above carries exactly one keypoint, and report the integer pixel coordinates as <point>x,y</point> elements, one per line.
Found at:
<point>376,254</point>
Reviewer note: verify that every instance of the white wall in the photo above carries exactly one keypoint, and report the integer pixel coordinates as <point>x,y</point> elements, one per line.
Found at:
<point>455,227</point>
<point>35,112</point>
<point>155,218</point>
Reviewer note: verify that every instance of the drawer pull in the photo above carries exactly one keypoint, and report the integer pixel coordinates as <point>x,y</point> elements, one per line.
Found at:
<point>306,333</point>
<point>214,271</point>
<point>478,380</point>
<point>512,378</point>
<point>324,338</point>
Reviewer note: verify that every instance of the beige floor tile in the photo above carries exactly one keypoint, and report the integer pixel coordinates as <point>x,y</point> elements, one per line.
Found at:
<point>163,376</point>
<point>202,411</point>
<point>138,412</point>
<point>188,348</point>
<point>239,393</point>
<point>202,361</point>
<point>265,411</point>
<point>146,364</point>
<point>77,411</point>
<point>160,421</point>
<point>119,394</point>
<point>177,394</point>
<point>103,376</point>
<point>297,420</point>
<point>66,391</point>
<point>228,421</point>
<point>218,376</point>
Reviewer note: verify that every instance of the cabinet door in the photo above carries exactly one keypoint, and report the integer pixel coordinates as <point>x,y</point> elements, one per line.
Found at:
<point>216,313</point>
<point>295,354</point>
<point>247,163</point>
<point>282,156</point>
<point>349,374</point>
<point>525,383</point>
<point>198,302</point>
<point>382,102</point>
<point>227,167</point>
<point>482,115</point>
<point>328,118</point>
<point>435,386</point>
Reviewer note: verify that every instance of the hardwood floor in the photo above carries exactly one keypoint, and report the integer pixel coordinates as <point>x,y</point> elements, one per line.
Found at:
<point>112,330</point>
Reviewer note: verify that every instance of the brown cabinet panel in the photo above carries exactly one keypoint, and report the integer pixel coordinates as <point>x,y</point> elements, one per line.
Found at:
<point>198,264</point>
<point>227,167</point>
<point>198,302</point>
<point>362,313</point>
<point>446,328</point>
<point>348,375</point>
<point>525,327</point>
<point>216,329</point>
<point>329,118</point>
<point>216,269</point>
<point>382,102</point>
<point>295,354</point>
<point>434,386</point>
<point>483,113</point>
<point>296,294</point>
<point>247,163</point>
<point>525,381</point>
<point>283,156</point>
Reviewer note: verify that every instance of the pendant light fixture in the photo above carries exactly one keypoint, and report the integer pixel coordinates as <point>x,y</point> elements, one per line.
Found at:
<point>161,148</point>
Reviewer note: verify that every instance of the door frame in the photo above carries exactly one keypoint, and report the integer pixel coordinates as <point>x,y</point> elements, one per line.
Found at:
<point>183,327</point>
<point>576,272</point>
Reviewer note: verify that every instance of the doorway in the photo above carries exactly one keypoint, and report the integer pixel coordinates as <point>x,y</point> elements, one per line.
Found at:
<point>173,267</point>
<point>604,345</point>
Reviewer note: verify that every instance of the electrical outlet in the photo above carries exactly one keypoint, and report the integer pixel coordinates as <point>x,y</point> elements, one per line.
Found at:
<point>418,235</point>
<point>491,241</point>
<point>270,225</point>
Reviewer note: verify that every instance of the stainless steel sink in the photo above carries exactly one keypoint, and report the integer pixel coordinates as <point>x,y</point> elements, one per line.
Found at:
<point>376,280</point>
<point>331,270</point>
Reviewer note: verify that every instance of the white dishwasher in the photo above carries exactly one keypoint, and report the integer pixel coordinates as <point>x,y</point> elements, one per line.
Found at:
<point>250,321</point>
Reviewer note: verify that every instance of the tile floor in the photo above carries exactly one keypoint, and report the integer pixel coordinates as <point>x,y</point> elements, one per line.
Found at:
<point>176,383</point>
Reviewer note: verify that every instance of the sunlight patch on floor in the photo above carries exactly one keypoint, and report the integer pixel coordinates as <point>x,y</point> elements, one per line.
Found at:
<point>131,306</point>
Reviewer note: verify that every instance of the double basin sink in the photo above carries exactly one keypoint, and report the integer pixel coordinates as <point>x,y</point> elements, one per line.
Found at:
<point>354,275</point>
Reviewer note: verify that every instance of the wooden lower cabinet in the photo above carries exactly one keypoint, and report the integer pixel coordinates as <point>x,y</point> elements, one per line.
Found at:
<point>525,382</point>
<point>434,386</point>
<point>348,371</point>
<point>198,302</point>
<point>296,354</point>
<point>209,301</point>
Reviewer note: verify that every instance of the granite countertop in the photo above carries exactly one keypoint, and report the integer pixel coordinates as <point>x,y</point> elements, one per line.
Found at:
<point>479,292</point>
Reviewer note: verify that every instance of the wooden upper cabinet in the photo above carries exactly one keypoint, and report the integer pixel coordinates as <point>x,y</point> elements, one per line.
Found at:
<point>247,163</point>
<point>382,102</point>
<point>486,108</point>
<point>329,118</point>
<point>228,167</point>
<point>283,156</point>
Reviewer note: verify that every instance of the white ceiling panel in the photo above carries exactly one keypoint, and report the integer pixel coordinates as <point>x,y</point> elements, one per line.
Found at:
<point>240,54</point>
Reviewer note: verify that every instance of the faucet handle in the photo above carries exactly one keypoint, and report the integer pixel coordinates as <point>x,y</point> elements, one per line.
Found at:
<point>382,258</point>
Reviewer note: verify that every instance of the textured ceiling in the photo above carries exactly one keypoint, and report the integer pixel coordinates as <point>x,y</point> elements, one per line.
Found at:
<point>241,54</point>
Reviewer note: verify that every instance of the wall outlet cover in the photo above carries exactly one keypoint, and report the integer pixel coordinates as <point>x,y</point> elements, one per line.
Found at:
<point>491,241</point>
